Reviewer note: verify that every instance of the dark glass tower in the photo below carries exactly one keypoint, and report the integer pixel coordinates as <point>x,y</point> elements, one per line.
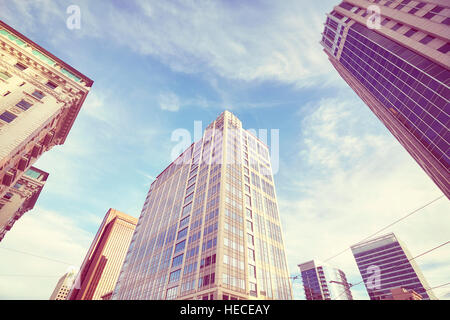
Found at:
<point>385,263</point>
<point>324,282</point>
<point>400,68</point>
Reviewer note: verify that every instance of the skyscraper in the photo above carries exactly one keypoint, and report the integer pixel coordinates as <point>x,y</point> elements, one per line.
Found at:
<point>385,263</point>
<point>101,266</point>
<point>398,64</point>
<point>210,227</point>
<point>40,97</point>
<point>20,198</point>
<point>324,282</point>
<point>63,286</point>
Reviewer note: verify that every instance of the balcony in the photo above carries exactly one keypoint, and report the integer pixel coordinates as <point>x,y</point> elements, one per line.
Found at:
<point>9,177</point>
<point>37,150</point>
<point>23,163</point>
<point>48,138</point>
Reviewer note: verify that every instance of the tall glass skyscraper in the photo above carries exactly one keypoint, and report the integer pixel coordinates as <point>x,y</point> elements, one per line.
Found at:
<point>385,263</point>
<point>210,227</point>
<point>324,282</point>
<point>399,65</point>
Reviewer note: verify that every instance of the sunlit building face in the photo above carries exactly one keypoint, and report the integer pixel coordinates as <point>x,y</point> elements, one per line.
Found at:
<point>210,226</point>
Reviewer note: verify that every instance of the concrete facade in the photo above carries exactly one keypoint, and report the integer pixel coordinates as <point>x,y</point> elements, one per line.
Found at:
<point>40,97</point>
<point>20,198</point>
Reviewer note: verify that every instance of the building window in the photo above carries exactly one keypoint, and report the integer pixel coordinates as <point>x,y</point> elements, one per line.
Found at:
<point>174,276</point>
<point>250,225</point>
<point>252,271</point>
<point>24,105</point>
<point>410,32</point>
<point>184,222</point>
<point>417,8</point>
<point>7,116</point>
<point>433,12</point>
<point>171,293</point>
<point>445,48</point>
<point>385,21</point>
<point>8,196</point>
<point>20,66</point>
<point>38,94</point>
<point>189,198</point>
<point>427,39</point>
<point>253,291</point>
<point>5,75</point>
<point>180,246</point>
<point>397,26</point>
<point>51,85</point>
<point>402,4</point>
<point>249,213</point>
<point>251,254</point>
<point>182,233</point>
<point>248,201</point>
<point>187,209</point>
<point>177,260</point>
<point>250,239</point>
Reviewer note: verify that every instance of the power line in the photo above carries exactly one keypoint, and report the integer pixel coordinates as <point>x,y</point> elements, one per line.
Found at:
<point>442,285</point>
<point>420,255</point>
<point>388,226</point>
<point>37,256</point>
<point>441,245</point>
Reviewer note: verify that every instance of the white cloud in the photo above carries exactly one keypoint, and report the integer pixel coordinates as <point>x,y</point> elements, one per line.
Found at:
<point>43,233</point>
<point>269,41</point>
<point>169,101</point>
<point>356,182</point>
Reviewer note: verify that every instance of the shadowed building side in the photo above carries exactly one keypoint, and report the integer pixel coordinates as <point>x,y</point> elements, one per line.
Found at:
<point>101,267</point>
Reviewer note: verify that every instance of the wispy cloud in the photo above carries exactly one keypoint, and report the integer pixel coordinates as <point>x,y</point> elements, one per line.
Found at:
<point>263,41</point>
<point>349,182</point>
<point>169,101</point>
<point>45,234</point>
<point>234,40</point>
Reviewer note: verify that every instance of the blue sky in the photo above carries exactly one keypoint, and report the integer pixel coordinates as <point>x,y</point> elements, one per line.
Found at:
<point>161,65</point>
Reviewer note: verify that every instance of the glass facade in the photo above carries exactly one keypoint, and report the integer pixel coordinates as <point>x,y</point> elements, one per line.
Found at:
<point>197,238</point>
<point>397,75</point>
<point>385,264</point>
<point>414,89</point>
<point>324,282</point>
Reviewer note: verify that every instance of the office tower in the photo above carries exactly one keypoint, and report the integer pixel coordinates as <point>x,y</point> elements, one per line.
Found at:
<point>324,282</point>
<point>101,266</point>
<point>403,294</point>
<point>20,198</point>
<point>63,286</point>
<point>385,263</point>
<point>40,97</point>
<point>210,227</point>
<point>399,66</point>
